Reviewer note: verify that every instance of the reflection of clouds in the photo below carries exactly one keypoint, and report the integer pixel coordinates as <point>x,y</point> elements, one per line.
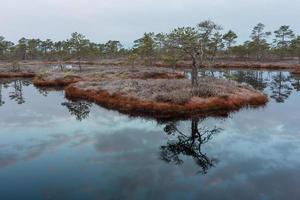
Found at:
<point>37,111</point>
<point>33,148</point>
<point>252,153</point>
<point>27,118</point>
<point>7,159</point>
<point>257,152</point>
<point>19,143</point>
<point>127,158</point>
<point>248,180</point>
<point>126,140</point>
<point>126,146</point>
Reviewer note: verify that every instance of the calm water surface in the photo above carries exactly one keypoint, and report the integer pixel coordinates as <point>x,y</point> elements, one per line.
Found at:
<point>52,148</point>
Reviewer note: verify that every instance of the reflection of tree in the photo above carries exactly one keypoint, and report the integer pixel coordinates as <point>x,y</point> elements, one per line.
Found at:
<point>280,87</point>
<point>253,78</point>
<point>17,93</point>
<point>188,145</point>
<point>296,83</point>
<point>43,92</point>
<point>1,98</point>
<point>79,109</point>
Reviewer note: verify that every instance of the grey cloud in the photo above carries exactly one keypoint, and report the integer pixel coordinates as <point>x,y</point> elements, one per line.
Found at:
<point>102,20</point>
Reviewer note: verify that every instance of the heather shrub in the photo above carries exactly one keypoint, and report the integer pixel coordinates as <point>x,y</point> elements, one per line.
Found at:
<point>176,91</point>
<point>68,74</point>
<point>42,74</point>
<point>174,97</point>
<point>204,91</point>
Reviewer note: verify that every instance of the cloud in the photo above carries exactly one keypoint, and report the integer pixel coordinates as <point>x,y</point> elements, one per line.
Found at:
<point>102,20</point>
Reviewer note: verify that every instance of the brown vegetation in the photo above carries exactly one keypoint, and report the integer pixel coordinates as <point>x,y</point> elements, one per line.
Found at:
<point>16,75</point>
<point>297,72</point>
<point>58,78</point>
<point>238,65</point>
<point>55,80</point>
<point>167,98</point>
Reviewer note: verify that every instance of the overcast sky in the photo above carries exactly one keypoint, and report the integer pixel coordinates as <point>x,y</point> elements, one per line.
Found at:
<point>126,20</point>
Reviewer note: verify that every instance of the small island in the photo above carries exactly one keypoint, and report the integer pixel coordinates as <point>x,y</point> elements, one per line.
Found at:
<point>167,98</point>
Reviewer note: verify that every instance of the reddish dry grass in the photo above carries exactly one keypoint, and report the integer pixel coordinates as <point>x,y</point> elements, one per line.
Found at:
<point>135,106</point>
<point>257,65</point>
<point>237,65</point>
<point>54,79</point>
<point>297,72</point>
<point>157,75</point>
<point>16,75</point>
<point>56,82</point>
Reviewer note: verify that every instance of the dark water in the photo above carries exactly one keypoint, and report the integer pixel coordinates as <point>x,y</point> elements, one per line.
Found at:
<point>51,148</point>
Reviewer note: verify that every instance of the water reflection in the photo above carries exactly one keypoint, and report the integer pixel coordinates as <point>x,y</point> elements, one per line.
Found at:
<point>252,154</point>
<point>79,109</point>
<point>254,78</point>
<point>1,98</point>
<point>17,86</point>
<point>189,145</point>
<point>277,84</point>
<point>296,82</point>
<point>43,91</point>
<point>280,87</point>
<point>17,93</point>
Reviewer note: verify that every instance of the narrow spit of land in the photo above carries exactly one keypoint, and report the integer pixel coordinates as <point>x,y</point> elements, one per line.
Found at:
<point>33,66</point>
<point>241,65</point>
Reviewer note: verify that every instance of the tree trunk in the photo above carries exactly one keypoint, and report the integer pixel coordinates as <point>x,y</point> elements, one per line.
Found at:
<point>61,66</point>
<point>79,62</point>
<point>194,74</point>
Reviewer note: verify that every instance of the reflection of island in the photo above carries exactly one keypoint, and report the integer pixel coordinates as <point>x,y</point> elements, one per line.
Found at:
<point>188,145</point>
<point>79,109</point>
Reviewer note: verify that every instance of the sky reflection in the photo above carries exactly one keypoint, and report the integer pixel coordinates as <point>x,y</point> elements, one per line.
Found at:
<point>48,152</point>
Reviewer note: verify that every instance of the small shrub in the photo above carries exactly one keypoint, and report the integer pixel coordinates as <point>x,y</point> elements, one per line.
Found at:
<point>174,97</point>
<point>15,66</point>
<point>68,74</point>
<point>204,91</point>
<point>41,74</point>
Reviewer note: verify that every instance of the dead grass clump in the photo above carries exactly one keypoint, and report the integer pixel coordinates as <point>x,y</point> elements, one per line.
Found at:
<point>204,91</point>
<point>117,72</point>
<point>174,98</point>
<point>55,79</point>
<point>297,72</point>
<point>16,75</point>
<point>159,75</point>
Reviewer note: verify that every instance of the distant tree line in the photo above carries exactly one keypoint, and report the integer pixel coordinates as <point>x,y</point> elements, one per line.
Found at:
<point>76,47</point>
<point>203,43</point>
